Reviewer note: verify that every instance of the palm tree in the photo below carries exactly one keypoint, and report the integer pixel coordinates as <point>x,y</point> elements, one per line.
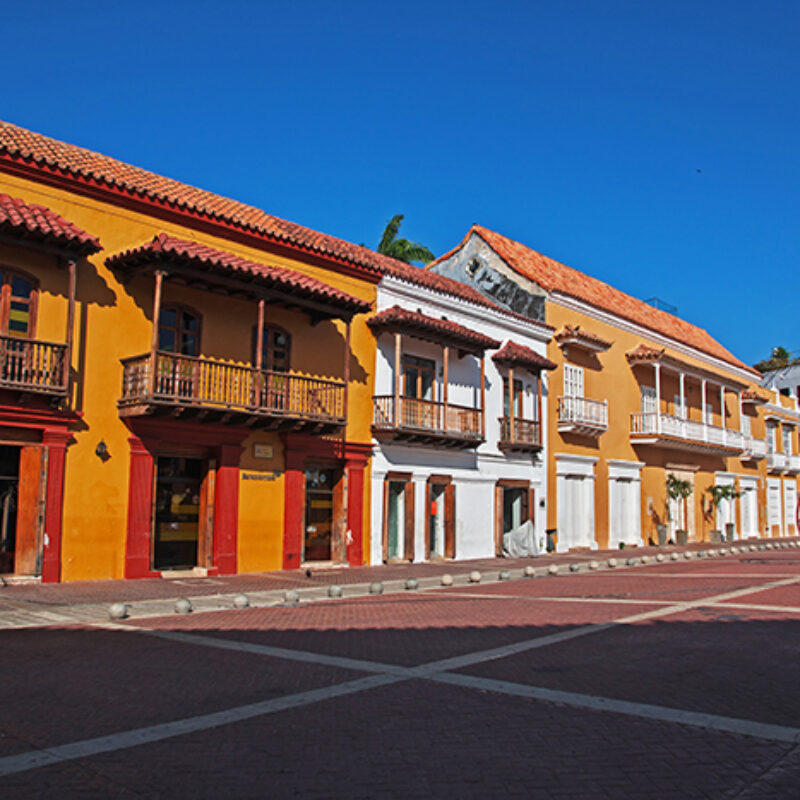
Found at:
<point>402,249</point>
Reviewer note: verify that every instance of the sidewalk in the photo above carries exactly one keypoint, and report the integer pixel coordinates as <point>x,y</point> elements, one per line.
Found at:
<point>31,604</point>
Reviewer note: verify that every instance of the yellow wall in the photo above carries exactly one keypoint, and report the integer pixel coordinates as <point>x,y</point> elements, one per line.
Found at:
<point>609,376</point>
<point>114,321</point>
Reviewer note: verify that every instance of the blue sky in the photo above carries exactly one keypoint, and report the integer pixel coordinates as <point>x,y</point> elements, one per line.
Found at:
<point>576,127</point>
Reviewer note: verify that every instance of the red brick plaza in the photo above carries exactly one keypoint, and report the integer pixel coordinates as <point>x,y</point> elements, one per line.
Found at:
<point>674,679</point>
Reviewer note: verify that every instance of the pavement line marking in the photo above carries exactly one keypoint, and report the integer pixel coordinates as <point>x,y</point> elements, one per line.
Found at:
<point>754,607</point>
<point>565,599</point>
<point>49,756</point>
<point>760,730</point>
<point>393,674</point>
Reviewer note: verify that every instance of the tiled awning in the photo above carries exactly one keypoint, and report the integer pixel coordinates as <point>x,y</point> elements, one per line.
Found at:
<point>206,266</point>
<point>431,329</point>
<point>518,355</point>
<point>22,220</point>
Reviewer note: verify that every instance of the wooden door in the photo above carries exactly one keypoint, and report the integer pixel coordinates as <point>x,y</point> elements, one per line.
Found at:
<point>450,521</point>
<point>28,550</point>
<point>409,519</point>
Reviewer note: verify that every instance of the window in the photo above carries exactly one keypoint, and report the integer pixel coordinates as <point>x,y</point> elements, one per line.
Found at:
<point>276,346</point>
<point>517,399</point>
<point>787,440</point>
<point>17,305</point>
<point>179,331</point>
<point>573,381</point>
<point>418,378</point>
<point>678,408</point>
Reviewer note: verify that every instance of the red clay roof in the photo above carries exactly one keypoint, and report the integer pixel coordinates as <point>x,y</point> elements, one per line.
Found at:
<point>752,396</point>
<point>444,331</point>
<point>31,221</point>
<point>19,145</point>
<point>644,353</point>
<point>553,276</point>
<point>518,355</point>
<point>164,249</point>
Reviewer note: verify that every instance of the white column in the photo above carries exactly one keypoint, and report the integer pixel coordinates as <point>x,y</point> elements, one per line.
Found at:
<point>684,414</point>
<point>739,404</point>
<point>657,368</point>
<point>703,408</point>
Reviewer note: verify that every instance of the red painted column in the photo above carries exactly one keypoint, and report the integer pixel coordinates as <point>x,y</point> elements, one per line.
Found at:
<point>226,508</point>
<point>140,512</point>
<point>56,444</point>
<point>293,482</point>
<point>355,511</point>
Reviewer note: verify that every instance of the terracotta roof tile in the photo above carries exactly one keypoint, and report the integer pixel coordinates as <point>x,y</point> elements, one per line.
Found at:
<point>518,355</point>
<point>645,353</point>
<point>445,331</point>
<point>20,145</point>
<point>553,276</point>
<point>32,221</point>
<point>752,396</point>
<point>168,249</point>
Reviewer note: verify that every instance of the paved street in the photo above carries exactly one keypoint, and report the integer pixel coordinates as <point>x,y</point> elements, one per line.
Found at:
<point>669,679</point>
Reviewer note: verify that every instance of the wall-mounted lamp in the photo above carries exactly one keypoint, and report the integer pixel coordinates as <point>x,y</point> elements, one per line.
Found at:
<point>101,451</point>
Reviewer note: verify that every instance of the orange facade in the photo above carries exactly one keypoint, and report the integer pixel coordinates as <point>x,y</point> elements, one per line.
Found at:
<point>144,429</point>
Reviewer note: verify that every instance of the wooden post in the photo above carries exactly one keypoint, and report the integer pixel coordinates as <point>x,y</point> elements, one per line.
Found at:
<point>346,369</point>
<point>445,384</point>
<point>70,321</point>
<point>722,410</point>
<point>159,274</point>
<point>256,388</point>
<point>510,404</point>
<point>483,395</point>
<point>397,379</point>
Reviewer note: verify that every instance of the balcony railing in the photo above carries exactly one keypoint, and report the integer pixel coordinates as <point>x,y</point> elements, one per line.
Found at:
<point>670,430</point>
<point>30,365</point>
<point>792,463</point>
<point>581,415</point>
<point>527,434</point>
<point>754,448</point>
<point>203,385</point>
<point>777,462</point>
<point>426,421</point>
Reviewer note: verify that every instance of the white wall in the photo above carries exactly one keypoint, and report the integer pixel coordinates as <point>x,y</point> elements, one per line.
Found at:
<point>474,472</point>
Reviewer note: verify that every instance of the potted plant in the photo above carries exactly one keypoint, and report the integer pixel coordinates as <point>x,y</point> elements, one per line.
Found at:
<point>718,495</point>
<point>680,490</point>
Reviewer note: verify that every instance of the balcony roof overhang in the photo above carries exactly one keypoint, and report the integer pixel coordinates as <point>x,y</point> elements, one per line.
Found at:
<point>36,226</point>
<point>574,336</point>
<point>202,267</point>
<point>440,331</point>
<point>645,355</point>
<point>517,355</point>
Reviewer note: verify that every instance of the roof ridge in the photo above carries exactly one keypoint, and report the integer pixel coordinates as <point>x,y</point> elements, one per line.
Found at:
<point>18,143</point>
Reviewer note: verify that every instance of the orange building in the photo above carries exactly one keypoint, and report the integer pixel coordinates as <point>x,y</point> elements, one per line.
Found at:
<point>185,380</point>
<point>641,399</point>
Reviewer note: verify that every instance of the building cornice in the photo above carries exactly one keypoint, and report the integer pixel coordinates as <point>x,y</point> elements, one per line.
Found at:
<point>615,321</point>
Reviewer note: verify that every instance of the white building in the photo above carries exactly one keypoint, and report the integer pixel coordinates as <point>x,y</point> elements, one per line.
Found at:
<point>453,468</point>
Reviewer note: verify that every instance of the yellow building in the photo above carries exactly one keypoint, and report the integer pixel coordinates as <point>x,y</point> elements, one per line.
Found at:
<point>185,380</point>
<point>641,399</point>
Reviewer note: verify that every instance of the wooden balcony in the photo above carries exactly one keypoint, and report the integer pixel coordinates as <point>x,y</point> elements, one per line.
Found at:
<point>30,365</point>
<point>667,430</point>
<point>426,422</point>
<point>754,449</point>
<point>214,391</point>
<point>526,436</point>
<point>582,416</point>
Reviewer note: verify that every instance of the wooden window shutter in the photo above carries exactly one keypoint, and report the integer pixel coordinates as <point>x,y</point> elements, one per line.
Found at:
<point>450,521</point>
<point>409,538</point>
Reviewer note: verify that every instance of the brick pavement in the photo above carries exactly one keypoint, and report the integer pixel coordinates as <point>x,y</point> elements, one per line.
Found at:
<point>639,676</point>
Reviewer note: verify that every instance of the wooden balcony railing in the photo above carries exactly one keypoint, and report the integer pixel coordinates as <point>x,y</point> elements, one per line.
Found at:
<point>204,384</point>
<point>527,434</point>
<point>426,421</point>
<point>33,366</point>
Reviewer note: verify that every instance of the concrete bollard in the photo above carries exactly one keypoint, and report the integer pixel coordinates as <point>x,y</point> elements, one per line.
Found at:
<point>674,556</point>
<point>291,596</point>
<point>241,601</point>
<point>552,569</point>
<point>612,562</point>
<point>574,567</point>
<point>447,580</point>
<point>688,555</point>
<point>529,572</point>
<point>183,606</point>
<point>474,576</point>
<point>335,591</point>
<point>594,565</point>
<point>504,575</point>
<point>412,584</point>
<point>118,611</point>
<point>376,587</point>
